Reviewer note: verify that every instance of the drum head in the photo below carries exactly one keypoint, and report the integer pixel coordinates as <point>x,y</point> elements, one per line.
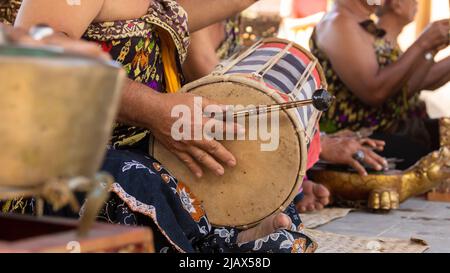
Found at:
<point>262,183</point>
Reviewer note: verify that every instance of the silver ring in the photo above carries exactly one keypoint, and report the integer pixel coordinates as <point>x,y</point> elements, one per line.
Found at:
<point>359,156</point>
<point>39,32</point>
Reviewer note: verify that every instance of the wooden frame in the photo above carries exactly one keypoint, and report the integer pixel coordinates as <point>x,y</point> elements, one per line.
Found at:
<point>26,234</point>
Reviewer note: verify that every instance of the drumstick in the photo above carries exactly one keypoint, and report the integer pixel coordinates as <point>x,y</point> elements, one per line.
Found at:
<point>271,108</point>
<point>321,100</point>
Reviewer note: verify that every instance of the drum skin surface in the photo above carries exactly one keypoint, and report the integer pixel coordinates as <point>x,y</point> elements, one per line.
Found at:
<point>262,183</point>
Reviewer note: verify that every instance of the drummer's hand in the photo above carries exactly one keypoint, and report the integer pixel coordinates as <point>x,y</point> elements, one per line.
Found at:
<point>196,154</point>
<point>340,150</point>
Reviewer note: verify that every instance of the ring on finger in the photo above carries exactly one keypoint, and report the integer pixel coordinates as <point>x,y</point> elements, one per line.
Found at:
<point>359,156</point>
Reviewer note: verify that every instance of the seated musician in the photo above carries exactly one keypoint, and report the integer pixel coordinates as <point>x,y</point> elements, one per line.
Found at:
<point>218,42</point>
<point>393,17</point>
<point>376,86</point>
<point>145,193</point>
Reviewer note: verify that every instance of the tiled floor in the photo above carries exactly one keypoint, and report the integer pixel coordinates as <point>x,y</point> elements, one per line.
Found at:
<point>416,218</point>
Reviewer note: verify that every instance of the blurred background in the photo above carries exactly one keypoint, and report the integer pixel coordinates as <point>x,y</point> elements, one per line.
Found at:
<point>298,20</point>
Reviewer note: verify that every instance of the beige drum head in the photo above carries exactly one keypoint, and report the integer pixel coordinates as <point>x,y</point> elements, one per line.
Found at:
<point>262,183</point>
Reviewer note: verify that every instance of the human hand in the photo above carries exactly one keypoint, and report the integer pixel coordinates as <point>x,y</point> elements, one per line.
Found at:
<point>436,36</point>
<point>193,152</point>
<point>341,150</point>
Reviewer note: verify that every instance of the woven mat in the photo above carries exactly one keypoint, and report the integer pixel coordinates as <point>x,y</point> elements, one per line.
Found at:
<point>336,243</point>
<point>319,218</point>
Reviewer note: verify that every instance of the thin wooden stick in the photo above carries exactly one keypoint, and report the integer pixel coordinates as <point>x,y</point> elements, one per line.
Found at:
<point>271,108</point>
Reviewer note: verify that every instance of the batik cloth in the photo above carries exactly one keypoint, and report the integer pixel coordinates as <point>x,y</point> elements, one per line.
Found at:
<point>144,193</point>
<point>348,111</point>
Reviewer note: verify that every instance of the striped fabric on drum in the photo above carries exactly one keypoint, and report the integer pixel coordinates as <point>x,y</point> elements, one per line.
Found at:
<point>283,76</point>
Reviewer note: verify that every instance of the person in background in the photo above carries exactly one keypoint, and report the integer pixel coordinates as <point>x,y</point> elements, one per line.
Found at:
<point>393,17</point>
<point>371,79</point>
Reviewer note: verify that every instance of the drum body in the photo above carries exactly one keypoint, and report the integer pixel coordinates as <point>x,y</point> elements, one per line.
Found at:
<point>263,182</point>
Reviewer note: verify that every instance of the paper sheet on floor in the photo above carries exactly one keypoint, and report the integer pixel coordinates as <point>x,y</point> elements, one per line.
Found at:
<point>338,243</point>
<point>322,217</point>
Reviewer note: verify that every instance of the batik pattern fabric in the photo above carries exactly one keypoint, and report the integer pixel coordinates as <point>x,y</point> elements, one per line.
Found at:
<point>8,11</point>
<point>19,205</point>
<point>232,42</point>
<point>348,111</point>
<point>146,194</point>
<point>137,45</point>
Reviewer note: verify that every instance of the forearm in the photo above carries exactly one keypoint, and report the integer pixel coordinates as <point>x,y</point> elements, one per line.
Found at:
<point>196,68</point>
<point>202,57</point>
<point>391,79</point>
<point>419,76</point>
<point>438,75</point>
<point>68,19</point>
<point>356,63</point>
<point>136,103</point>
<point>203,13</point>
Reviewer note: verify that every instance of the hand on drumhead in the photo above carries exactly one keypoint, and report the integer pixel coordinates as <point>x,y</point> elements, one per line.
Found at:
<point>195,153</point>
<point>342,150</point>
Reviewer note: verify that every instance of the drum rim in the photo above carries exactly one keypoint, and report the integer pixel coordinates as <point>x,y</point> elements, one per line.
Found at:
<point>300,132</point>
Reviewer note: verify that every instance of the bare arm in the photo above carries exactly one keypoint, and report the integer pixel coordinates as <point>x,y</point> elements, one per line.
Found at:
<point>202,58</point>
<point>438,75</point>
<point>203,13</point>
<point>416,81</point>
<point>140,105</point>
<point>72,20</point>
<point>354,60</point>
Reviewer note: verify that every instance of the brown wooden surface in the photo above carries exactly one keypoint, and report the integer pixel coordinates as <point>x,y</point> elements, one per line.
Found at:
<point>29,234</point>
<point>438,196</point>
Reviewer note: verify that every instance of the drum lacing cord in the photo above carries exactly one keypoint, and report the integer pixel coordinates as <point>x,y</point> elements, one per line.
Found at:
<point>302,81</point>
<point>263,70</point>
<point>237,60</point>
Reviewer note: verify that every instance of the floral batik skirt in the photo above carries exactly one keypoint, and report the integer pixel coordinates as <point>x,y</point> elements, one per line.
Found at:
<point>146,194</point>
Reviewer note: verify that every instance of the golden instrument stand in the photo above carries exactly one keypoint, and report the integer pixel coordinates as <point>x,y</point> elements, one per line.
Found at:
<point>386,191</point>
<point>442,192</point>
